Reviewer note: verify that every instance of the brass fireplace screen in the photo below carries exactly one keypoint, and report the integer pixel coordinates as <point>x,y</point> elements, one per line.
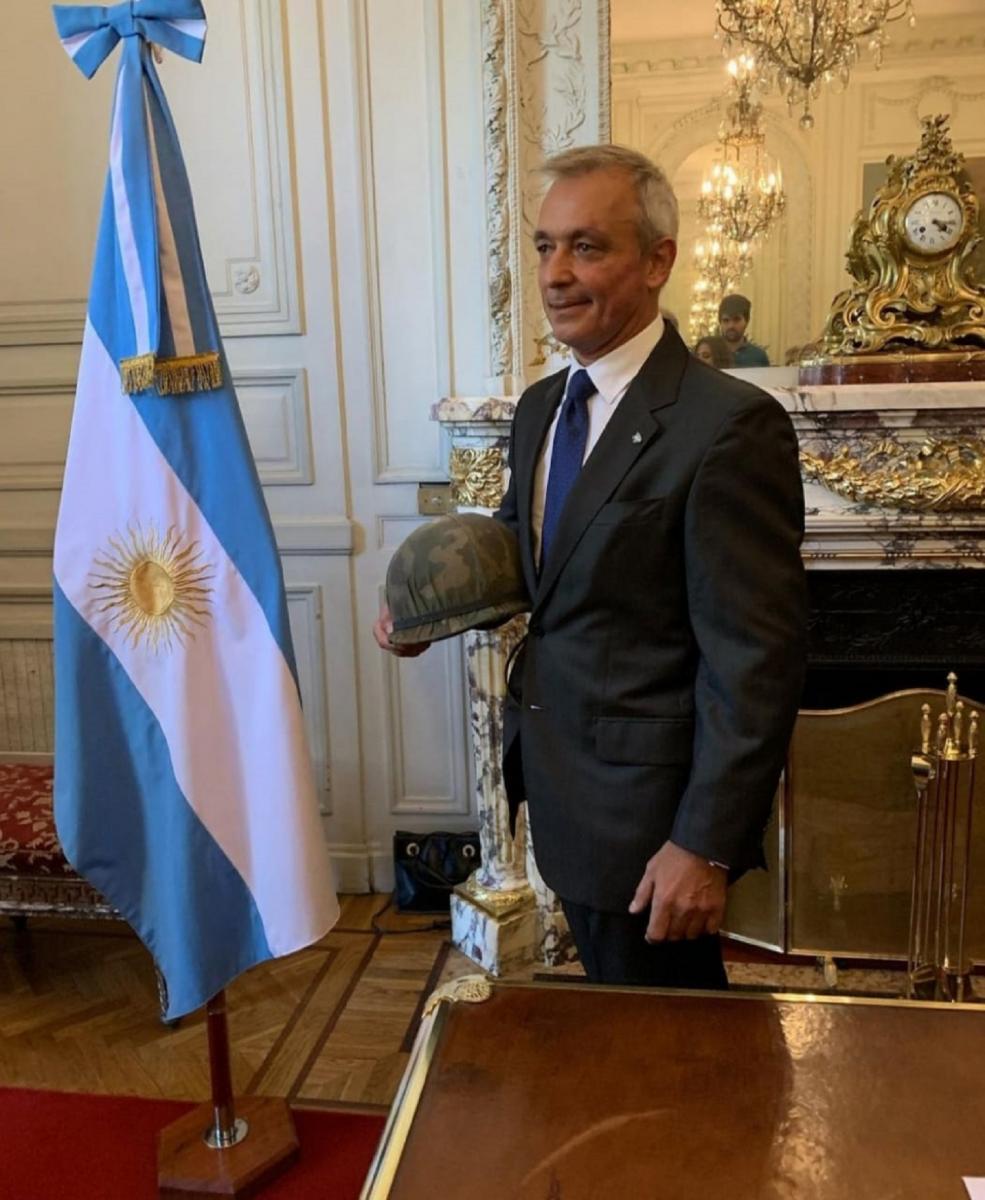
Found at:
<point>841,844</point>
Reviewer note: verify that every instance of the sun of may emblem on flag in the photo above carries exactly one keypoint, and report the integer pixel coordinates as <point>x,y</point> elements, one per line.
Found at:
<point>155,586</point>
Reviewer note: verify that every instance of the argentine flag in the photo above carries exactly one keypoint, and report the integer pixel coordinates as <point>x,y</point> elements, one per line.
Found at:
<point>183,786</point>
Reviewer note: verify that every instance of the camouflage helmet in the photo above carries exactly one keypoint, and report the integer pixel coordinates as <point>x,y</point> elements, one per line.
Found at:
<point>458,572</point>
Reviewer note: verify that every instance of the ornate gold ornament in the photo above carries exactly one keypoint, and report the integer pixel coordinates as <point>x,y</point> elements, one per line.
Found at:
<point>930,476</point>
<point>803,44</point>
<point>496,903</point>
<point>476,477</point>
<point>469,989</point>
<point>915,287</point>
<point>154,587</point>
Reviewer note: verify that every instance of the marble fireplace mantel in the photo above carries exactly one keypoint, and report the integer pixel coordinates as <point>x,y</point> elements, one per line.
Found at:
<point>894,474</point>
<point>894,477</point>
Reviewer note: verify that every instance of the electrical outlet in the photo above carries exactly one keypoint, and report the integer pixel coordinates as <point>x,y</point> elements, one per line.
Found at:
<point>434,499</point>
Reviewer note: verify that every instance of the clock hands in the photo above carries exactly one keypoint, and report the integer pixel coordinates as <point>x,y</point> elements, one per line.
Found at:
<point>943,226</point>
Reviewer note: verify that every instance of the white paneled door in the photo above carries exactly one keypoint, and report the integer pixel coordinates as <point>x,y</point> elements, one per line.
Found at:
<point>335,152</point>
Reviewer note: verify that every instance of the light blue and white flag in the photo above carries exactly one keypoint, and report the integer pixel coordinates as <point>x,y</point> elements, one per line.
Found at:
<point>183,785</point>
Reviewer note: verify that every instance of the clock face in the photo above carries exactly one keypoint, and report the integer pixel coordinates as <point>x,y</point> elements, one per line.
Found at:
<point>933,223</point>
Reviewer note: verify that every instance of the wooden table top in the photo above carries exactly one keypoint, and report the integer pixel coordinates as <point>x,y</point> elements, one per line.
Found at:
<point>572,1093</point>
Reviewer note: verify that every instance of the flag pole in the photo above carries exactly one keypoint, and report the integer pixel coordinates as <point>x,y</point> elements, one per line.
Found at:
<point>210,1151</point>
<point>226,1129</point>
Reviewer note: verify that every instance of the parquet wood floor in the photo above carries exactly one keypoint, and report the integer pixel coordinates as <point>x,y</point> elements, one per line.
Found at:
<point>330,1026</point>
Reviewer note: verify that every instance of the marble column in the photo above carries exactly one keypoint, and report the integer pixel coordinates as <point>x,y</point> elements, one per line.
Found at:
<point>505,917</point>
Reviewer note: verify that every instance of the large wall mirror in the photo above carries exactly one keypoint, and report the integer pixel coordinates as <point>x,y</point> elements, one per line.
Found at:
<point>670,88</point>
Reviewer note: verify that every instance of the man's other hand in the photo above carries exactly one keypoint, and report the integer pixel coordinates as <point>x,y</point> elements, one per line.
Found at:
<point>686,895</point>
<point>383,627</point>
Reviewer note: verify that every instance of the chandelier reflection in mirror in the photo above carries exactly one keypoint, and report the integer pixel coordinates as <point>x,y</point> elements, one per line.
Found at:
<point>720,265</point>
<point>743,194</point>
<point>803,44</point>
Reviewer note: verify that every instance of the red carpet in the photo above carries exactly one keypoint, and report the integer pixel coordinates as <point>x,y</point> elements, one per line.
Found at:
<point>56,1145</point>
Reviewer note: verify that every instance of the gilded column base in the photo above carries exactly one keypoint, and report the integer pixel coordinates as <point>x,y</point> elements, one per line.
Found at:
<point>497,930</point>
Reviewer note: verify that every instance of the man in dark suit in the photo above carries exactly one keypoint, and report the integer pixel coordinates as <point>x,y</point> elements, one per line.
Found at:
<point>659,509</point>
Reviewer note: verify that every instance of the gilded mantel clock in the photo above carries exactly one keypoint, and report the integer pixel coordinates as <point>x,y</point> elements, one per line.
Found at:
<point>916,310</point>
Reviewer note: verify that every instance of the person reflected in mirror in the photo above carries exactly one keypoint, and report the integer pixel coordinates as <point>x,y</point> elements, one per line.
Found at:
<point>733,320</point>
<point>715,351</point>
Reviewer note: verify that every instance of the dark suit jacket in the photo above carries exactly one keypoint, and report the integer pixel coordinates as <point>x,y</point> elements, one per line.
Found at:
<point>656,692</point>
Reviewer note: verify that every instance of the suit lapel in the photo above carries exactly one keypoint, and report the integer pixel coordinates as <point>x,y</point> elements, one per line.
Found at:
<point>528,448</point>
<point>629,433</point>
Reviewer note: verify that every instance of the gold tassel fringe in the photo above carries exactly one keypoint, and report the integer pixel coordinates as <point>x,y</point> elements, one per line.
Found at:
<point>195,373</point>
<point>136,374</point>
<point>171,376</point>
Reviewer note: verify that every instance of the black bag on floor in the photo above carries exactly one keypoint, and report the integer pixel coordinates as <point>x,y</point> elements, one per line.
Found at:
<point>426,866</point>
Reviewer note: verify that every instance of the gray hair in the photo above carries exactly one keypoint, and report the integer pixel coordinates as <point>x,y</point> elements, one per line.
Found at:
<point>659,216</point>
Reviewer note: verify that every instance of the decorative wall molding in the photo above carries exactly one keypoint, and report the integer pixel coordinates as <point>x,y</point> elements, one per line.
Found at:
<point>552,106</point>
<point>397,356</point>
<point>38,411</point>
<point>35,416</point>
<point>381,869</point>
<point>604,71</point>
<point>448,727</point>
<point>306,536</point>
<point>305,605</point>
<point>275,406</point>
<point>912,99</point>
<point>352,863</point>
<point>499,91</point>
<point>951,36</point>
<point>671,55</point>
<point>260,293</point>
<point>943,36</point>
<point>257,294</point>
<point>26,538</point>
<point>314,535</point>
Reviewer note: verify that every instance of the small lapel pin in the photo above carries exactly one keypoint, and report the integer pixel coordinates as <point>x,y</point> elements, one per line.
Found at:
<point>637,438</point>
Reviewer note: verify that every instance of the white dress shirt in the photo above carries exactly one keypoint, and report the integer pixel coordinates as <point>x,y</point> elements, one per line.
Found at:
<point>612,374</point>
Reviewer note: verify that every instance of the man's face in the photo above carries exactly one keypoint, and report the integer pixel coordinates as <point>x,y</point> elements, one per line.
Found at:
<point>598,285</point>
<point>733,329</point>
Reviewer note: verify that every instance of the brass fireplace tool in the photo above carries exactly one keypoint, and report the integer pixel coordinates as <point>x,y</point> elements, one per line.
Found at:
<point>944,771</point>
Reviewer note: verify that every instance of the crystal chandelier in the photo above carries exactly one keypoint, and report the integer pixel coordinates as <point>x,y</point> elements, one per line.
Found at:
<point>743,195</point>
<point>721,262</point>
<point>720,265</point>
<point>703,318</point>
<point>805,43</point>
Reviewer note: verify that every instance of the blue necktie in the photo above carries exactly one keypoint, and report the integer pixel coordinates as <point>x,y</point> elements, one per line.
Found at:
<point>567,455</point>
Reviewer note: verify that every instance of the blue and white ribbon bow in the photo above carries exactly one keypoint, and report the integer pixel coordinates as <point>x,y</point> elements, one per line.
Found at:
<point>148,247</point>
<point>89,32</point>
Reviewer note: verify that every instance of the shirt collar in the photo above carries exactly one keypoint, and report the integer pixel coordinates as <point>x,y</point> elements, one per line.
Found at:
<point>614,372</point>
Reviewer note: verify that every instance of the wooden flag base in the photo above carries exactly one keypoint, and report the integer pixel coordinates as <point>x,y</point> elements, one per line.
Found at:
<point>188,1170</point>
